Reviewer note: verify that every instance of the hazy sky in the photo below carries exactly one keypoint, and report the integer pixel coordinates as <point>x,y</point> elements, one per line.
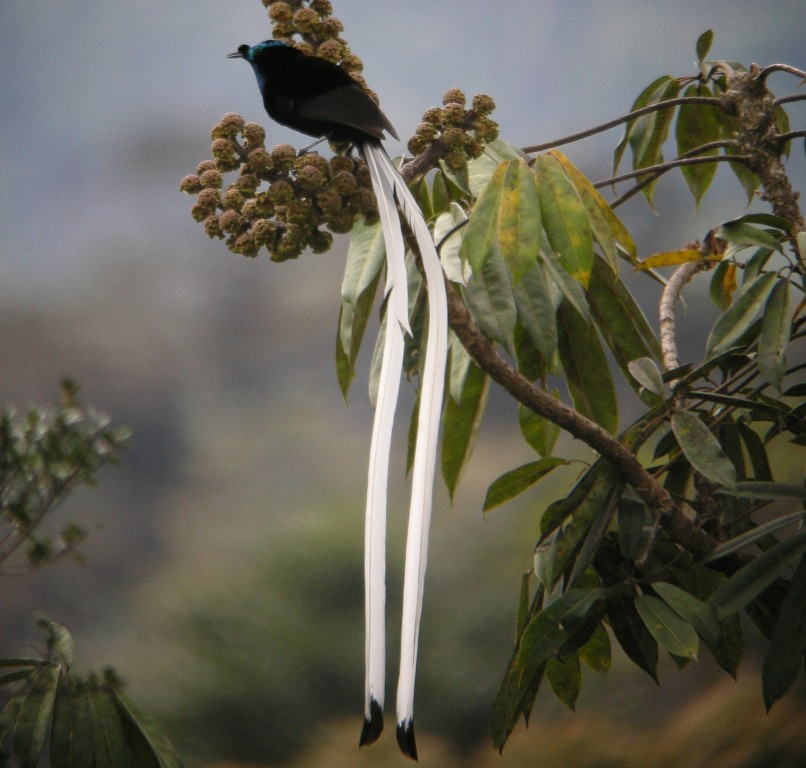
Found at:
<point>105,103</point>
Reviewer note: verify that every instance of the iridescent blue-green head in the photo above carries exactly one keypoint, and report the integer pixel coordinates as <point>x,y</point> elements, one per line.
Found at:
<point>253,52</point>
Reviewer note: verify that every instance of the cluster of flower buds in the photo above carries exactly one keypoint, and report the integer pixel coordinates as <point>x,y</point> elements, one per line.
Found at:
<point>461,131</point>
<point>280,200</point>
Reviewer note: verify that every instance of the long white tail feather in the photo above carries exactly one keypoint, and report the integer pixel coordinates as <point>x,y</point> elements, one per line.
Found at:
<point>432,381</point>
<point>375,525</point>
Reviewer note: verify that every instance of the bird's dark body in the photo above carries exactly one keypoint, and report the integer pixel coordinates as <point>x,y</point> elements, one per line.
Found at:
<point>314,96</point>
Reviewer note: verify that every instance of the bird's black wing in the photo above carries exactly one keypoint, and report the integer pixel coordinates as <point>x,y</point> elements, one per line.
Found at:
<point>349,106</point>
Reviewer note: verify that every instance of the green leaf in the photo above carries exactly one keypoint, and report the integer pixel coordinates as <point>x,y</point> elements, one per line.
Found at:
<point>523,604</point>
<point>536,311</point>
<point>742,233</point>
<point>690,609</point>
<point>353,319</point>
<point>460,425</point>
<point>449,235</point>
<point>481,236</point>
<point>109,743</point>
<point>35,715</point>
<point>596,653</point>
<point>732,325</point>
<point>556,625</point>
<point>519,230</point>
<point>59,639</point>
<point>488,295</point>
<point>519,686</point>
<point>606,227</point>
<point>750,580</point>
<point>649,132</point>
<point>586,370</point>
<point>785,652</point>
<point>619,320</point>
<point>702,449</point>
<point>71,739</point>
<point>774,335</point>
<point>365,260</point>
<point>633,517</point>
<point>516,481</point>
<point>672,633</point>
<point>538,431</point>
<point>723,284</point>
<point>647,96</point>
<point>697,124</point>
<point>564,219</point>
<point>704,44</point>
<point>149,744</point>
<point>570,289</point>
<point>632,634</point>
<point>645,371</point>
<point>565,678</point>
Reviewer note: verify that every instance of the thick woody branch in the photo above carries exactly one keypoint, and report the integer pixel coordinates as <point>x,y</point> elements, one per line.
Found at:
<point>679,528</point>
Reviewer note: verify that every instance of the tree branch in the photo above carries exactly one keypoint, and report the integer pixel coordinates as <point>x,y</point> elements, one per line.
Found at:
<point>679,528</point>
<point>623,119</point>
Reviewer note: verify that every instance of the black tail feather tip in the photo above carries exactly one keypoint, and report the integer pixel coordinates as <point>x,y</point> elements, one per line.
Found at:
<point>405,739</point>
<point>373,727</point>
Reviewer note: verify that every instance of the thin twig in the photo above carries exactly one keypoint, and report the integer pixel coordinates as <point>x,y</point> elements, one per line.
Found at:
<point>768,70</point>
<point>787,99</point>
<point>624,119</point>
<point>661,168</point>
<point>783,138</point>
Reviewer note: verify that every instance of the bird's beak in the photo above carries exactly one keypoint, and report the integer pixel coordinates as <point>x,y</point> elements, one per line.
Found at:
<point>235,55</point>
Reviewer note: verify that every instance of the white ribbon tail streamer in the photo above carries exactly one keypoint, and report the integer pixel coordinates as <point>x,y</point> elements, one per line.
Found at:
<point>380,448</point>
<point>432,382</point>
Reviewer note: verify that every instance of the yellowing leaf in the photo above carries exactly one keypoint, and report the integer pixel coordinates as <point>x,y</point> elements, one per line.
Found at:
<point>668,258</point>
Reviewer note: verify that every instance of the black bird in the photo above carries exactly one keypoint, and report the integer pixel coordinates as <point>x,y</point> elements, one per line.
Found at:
<point>319,98</point>
<point>312,95</point>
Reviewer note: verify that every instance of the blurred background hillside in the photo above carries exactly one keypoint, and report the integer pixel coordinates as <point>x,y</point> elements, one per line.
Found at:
<point>224,567</point>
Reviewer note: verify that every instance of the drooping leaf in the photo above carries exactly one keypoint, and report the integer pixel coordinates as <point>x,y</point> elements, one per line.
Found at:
<point>743,232</point>
<point>59,640</point>
<point>586,370</point>
<point>632,634</point>
<point>35,715</point>
<point>489,297</point>
<point>537,430</point>
<point>606,227</point>
<point>571,290</point>
<point>481,235</point>
<point>702,449</point>
<point>519,686</point>
<point>536,311</point>
<point>460,424</point>
<point>649,132</point>
<point>565,678</point>
<point>109,742</point>
<point>596,653</point>
<point>723,284</point>
<point>672,633</point>
<point>365,260</point>
<point>519,229</point>
<point>736,321</point>
<point>353,321</point>
<point>784,655</point>
<point>756,452</point>
<point>564,219</point>
<point>697,124</point>
<point>669,258</point>
<point>619,320</point>
<point>645,371</point>
<point>516,481</point>
<point>648,96</point>
<point>71,739</point>
<point>557,623</point>
<point>689,608</point>
<point>147,741</point>
<point>449,234</point>
<point>633,517</point>
<point>774,335</point>
<point>750,580</point>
